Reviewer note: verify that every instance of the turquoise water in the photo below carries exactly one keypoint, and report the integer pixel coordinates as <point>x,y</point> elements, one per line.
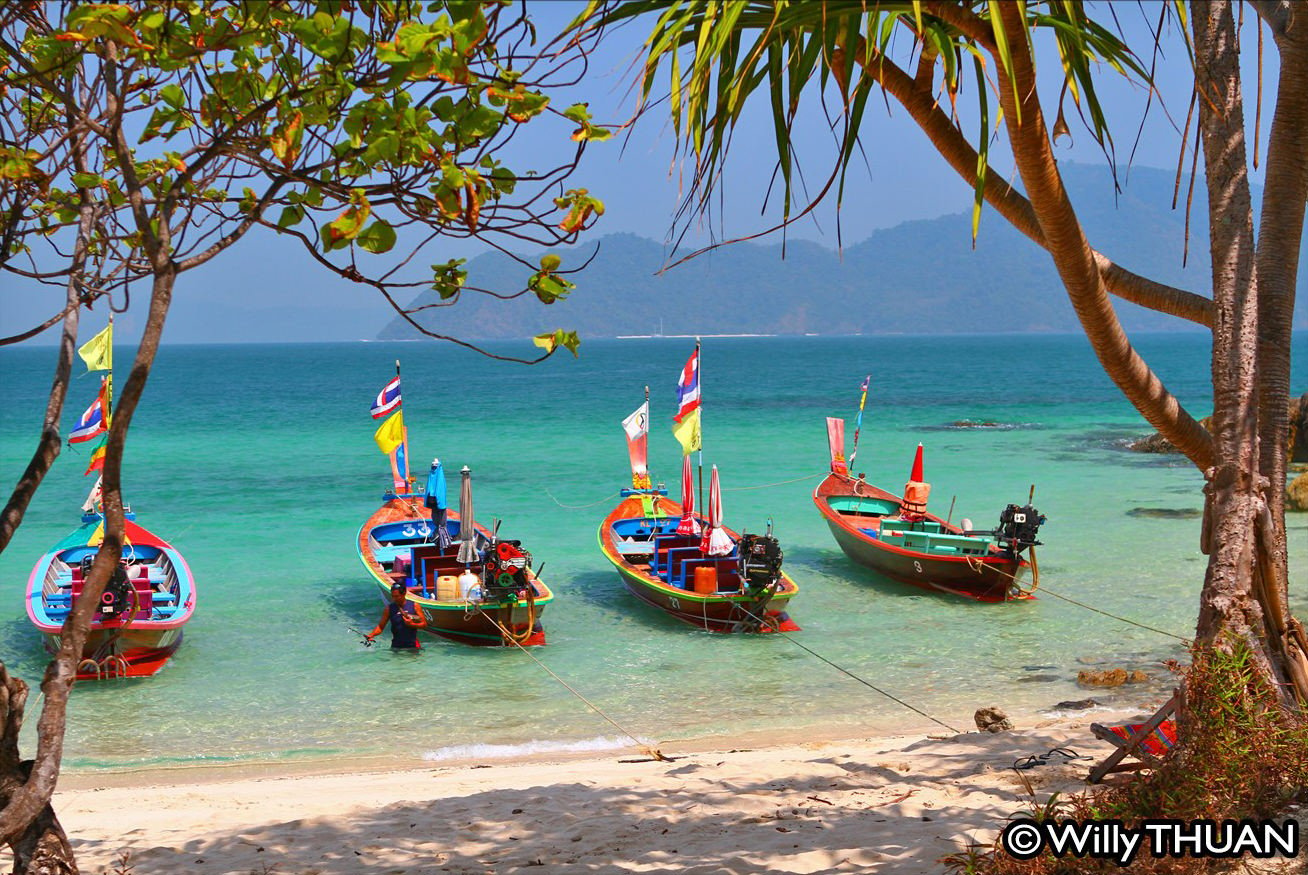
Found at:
<point>258,463</point>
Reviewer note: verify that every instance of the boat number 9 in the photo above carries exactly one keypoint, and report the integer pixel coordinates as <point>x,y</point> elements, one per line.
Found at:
<point>676,605</point>
<point>917,566</point>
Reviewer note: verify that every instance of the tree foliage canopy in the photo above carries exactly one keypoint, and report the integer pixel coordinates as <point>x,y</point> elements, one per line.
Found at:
<point>373,127</point>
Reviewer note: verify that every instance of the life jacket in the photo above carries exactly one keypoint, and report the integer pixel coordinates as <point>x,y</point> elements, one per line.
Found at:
<point>914,503</point>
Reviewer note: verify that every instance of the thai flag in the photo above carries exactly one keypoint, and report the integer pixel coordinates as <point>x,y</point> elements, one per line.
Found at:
<point>688,387</point>
<point>387,399</point>
<point>91,422</point>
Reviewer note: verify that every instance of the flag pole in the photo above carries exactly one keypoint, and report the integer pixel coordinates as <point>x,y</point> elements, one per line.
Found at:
<point>405,475</point>
<point>648,475</point>
<point>858,425</point>
<point>109,383</point>
<point>699,378</point>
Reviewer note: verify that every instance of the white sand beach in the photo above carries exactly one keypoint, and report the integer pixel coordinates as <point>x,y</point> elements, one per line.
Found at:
<point>894,805</point>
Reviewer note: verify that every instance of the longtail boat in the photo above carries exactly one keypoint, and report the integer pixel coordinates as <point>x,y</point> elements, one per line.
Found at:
<point>472,586</point>
<point>138,622</point>
<point>895,536</point>
<point>690,566</point>
<point>149,597</point>
<point>742,591</point>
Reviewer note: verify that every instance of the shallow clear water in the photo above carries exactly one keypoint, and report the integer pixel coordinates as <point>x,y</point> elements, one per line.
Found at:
<point>258,463</point>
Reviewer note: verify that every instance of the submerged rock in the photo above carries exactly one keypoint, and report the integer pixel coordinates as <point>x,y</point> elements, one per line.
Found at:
<point>992,720</point>
<point>1296,441</point>
<point>1076,705</point>
<point>1113,677</point>
<point>1296,494</point>
<point>1166,513</point>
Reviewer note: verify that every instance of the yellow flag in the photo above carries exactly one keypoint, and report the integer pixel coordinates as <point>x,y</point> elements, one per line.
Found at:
<point>687,432</point>
<point>98,352</point>
<point>391,433</point>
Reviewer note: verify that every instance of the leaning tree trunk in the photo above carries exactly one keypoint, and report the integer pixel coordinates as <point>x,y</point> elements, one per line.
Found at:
<point>1243,595</point>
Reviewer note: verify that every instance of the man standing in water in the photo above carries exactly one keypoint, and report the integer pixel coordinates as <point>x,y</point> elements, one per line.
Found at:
<point>404,625</point>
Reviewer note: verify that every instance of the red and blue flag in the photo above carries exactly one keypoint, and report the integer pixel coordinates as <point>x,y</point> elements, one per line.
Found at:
<point>387,399</point>
<point>91,423</point>
<point>688,387</point>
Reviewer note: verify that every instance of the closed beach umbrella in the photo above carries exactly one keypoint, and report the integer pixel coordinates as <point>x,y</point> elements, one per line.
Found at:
<point>467,532</point>
<point>434,497</point>
<point>716,541</point>
<point>688,525</point>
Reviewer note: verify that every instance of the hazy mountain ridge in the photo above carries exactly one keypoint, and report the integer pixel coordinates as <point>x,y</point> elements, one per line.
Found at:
<point>917,277</point>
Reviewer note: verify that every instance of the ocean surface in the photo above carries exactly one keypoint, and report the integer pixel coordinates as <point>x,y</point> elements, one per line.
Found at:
<point>258,463</point>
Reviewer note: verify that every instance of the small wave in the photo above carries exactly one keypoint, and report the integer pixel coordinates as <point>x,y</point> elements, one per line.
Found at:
<point>525,749</point>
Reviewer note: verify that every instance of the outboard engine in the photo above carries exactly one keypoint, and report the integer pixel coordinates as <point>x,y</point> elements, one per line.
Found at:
<point>506,571</point>
<point>1018,527</point>
<point>760,561</point>
<point>118,594</point>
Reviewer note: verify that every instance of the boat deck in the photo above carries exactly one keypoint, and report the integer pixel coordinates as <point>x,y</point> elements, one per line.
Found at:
<point>152,578</point>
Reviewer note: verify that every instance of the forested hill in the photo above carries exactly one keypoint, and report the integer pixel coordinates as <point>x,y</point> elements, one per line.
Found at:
<point>918,277</point>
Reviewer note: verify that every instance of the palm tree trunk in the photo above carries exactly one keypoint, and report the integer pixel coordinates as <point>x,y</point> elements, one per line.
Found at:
<point>1241,598</point>
<point>1072,255</point>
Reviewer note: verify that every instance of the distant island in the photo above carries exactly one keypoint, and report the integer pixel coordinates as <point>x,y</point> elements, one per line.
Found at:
<point>921,277</point>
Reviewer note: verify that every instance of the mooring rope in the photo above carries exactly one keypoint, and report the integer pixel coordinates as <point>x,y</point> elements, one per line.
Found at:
<point>770,485</point>
<point>1049,591</point>
<point>611,495</point>
<point>608,497</point>
<point>653,752</point>
<point>862,681</point>
<point>1120,619</point>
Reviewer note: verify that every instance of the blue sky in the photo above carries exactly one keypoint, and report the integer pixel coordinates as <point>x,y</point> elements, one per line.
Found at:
<point>265,289</point>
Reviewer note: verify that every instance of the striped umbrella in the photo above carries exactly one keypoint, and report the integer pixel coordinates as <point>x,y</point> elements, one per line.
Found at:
<point>467,532</point>
<point>716,541</point>
<point>688,525</point>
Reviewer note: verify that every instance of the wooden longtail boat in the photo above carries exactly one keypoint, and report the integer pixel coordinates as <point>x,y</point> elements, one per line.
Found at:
<point>145,604</point>
<point>399,543</point>
<point>471,586</point>
<point>743,591</point>
<point>895,536</point>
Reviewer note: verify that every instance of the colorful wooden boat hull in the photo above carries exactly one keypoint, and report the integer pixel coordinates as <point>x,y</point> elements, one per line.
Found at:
<point>136,644</point>
<point>854,509</point>
<point>403,522</point>
<point>714,612</point>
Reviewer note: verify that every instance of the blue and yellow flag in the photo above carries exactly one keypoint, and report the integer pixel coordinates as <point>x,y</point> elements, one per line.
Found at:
<point>687,432</point>
<point>391,433</point>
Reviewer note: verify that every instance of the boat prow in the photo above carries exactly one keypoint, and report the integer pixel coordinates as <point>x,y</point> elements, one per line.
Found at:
<point>138,623</point>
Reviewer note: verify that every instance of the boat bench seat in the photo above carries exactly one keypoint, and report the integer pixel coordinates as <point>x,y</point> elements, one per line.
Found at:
<point>664,544</point>
<point>958,545</point>
<point>665,563</point>
<point>64,598</point>
<point>728,576</point>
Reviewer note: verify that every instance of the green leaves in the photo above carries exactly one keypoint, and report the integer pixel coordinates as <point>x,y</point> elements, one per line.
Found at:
<point>353,126</point>
<point>449,278</point>
<point>550,342</point>
<point>586,130</point>
<point>378,237</point>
